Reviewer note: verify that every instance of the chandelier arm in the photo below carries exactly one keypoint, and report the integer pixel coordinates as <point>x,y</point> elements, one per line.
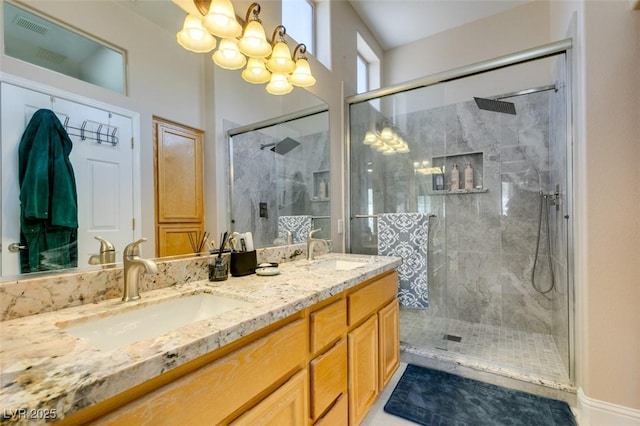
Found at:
<point>303,49</point>
<point>255,8</point>
<point>279,30</point>
<point>202,6</point>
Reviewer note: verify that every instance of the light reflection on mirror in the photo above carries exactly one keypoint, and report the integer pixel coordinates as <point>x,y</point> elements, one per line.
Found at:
<point>42,42</point>
<point>280,178</point>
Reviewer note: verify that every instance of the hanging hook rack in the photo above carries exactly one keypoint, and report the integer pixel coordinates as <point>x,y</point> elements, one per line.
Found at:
<point>108,136</point>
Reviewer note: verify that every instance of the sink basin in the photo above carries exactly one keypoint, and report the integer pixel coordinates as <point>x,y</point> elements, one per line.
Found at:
<point>340,264</point>
<point>123,328</point>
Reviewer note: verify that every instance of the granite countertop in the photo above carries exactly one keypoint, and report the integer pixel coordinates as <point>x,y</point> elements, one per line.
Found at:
<point>45,370</point>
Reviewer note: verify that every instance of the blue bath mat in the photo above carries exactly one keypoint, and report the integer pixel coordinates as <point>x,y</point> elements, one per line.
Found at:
<point>435,398</point>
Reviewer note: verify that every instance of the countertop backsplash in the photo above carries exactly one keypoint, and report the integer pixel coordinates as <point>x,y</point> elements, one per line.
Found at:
<point>24,297</point>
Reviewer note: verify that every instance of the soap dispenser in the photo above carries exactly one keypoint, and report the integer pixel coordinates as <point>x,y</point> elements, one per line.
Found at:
<point>455,177</point>
<point>468,177</point>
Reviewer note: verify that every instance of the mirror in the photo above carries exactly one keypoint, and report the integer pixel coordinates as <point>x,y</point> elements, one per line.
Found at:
<point>280,178</point>
<point>236,104</point>
<point>42,42</point>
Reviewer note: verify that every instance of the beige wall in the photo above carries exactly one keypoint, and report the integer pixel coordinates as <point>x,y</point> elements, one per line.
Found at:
<point>608,275</point>
<point>517,29</point>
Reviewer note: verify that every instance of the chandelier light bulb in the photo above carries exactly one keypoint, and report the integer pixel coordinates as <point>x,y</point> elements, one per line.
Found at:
<point>301,76</point>
<point>228,56</point>
<point>194,37</point>
<point>255,72</point>
<point>370,138</point>
<point>254,43</point>
<point>386,134</point>
<point>280,60</point>
<point>221,20</point>
<point>279,84</point>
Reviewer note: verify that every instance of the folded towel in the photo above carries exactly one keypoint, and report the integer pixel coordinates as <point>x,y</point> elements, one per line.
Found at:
<point>299,226</point>
<point>407,235</point>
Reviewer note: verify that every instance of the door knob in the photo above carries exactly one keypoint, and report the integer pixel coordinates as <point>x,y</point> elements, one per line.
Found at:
<point>16,247</point>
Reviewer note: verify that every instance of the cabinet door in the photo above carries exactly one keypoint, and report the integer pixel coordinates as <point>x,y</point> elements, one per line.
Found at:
<point>338,415</point>
<point>173,239</point>
<point>287,406</point>
<point>328,378</point>
<point>388,341</point>
<point>178,173</point>
<point>363,369</point>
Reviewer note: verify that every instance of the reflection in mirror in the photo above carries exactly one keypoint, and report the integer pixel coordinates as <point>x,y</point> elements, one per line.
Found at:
<point>42,42</point>
<point>280,178</point>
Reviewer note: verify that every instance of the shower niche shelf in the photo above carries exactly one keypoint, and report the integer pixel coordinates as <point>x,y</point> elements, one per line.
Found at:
<point>320,177</point>
<point>446,162</point>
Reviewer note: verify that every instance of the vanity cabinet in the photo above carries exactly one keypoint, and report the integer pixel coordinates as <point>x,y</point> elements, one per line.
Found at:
<point>287,406</point>
<point>373,342</point>
<point>323,366</point>
<point>220,389</point>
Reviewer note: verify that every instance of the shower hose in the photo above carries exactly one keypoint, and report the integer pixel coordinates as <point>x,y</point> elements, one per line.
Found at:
<point>543,207</point>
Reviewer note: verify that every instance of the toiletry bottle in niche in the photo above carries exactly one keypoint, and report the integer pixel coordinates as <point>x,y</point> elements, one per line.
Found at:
<point>438,181</point>
<point>468,177</point>
<point>322,189</point>
<point>455,177</point>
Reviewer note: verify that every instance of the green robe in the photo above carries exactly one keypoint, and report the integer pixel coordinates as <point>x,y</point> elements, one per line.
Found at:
<point>48,198</point>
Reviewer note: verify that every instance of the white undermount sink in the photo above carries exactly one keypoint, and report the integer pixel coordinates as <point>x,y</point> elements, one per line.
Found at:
<point>123,328</point>
<point>340,264</point>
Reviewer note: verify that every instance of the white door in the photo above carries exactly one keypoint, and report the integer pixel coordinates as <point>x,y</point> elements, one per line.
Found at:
<point>103,171</point>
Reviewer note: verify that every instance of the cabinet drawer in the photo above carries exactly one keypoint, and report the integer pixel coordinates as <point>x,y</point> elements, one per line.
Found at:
<point>327,324</point>
<point>369,299</point>
<point>338,415</point>
<point>213,392</point>
<point>328,378</point>
<point>287,406</point>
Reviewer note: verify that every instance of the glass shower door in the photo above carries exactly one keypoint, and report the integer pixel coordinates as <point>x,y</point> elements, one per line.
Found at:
<point>393,144</point>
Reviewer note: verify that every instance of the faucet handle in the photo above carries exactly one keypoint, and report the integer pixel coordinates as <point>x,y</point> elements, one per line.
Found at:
<point>313,231</point>
<point>133,248</point>
<point>104,244</point>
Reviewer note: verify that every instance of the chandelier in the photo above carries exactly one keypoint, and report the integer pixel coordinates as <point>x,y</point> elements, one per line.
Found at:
<point>248,47</point>
<point>386,139</point>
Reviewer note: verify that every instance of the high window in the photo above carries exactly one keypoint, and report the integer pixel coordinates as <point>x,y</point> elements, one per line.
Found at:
<point>298,16</point>
<point>367,67</point>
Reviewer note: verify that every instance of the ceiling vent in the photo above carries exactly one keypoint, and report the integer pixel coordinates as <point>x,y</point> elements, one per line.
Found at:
<point>50,56</point>
<point>27,24</point>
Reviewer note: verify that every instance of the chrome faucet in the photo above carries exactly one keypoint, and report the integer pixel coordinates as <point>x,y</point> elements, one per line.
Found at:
<point>107,256</point>
<point>133,264</point>
<point>311,242</point>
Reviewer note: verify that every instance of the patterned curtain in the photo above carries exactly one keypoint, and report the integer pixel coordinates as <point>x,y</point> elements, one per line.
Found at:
<point>406,235</point>
<point>299,226</point>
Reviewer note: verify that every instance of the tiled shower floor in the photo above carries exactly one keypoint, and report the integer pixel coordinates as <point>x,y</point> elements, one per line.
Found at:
<point>530,355</point>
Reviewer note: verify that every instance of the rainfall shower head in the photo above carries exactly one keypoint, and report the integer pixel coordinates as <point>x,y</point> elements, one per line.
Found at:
<point>282,147</point>
<point>495,105</point>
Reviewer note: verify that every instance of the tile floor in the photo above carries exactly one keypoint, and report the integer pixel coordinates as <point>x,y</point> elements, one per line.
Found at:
<point>530,354</point>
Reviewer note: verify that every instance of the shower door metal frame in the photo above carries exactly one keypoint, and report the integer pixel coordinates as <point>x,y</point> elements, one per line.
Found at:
<point>560,47</point>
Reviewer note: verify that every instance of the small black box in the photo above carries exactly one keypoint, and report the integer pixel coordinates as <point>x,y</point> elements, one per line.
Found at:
<point>243,263</point>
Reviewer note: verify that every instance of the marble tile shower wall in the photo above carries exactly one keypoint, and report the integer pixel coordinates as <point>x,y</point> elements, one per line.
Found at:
<point>489,238</point>
<point>283,182</point>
